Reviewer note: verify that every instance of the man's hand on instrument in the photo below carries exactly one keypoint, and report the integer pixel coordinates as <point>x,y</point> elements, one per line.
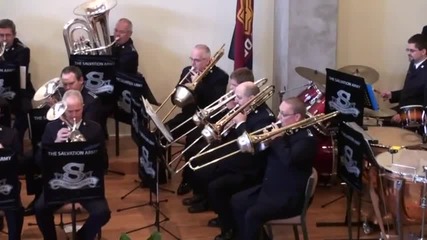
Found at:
<point>239,118</point>
<point>396,118</point>
<point>62,135</point>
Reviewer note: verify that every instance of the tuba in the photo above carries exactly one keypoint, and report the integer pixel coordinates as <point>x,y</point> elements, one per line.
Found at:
<point>95,24</point>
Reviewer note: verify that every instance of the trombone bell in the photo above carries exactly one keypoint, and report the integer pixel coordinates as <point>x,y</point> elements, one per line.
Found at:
<point>184,95</point>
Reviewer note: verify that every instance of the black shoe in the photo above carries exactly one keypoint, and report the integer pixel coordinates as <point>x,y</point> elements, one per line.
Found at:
<point>227,235</point>
<point>29,210</point>
<point>183,188</point>
<point>198,207</point>
<point>214,222</point>
<point>193,200</point>
<point>1,223</point>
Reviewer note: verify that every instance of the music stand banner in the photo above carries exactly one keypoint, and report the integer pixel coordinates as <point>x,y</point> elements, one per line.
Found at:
<point>350,152</point>
<point>147,157</point>
<point>72,172</point>
<point>37,122</point>
<point>9,81</point>
<point>98,72</point>
<point>140,119</point>
<point>9,183</point>
<point>127,86</point>
<point>345,93</point>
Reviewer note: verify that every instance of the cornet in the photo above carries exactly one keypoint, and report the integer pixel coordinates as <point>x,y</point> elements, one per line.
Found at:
<point>95,24</point>
<point>261,138</point>
<point>75,134</point>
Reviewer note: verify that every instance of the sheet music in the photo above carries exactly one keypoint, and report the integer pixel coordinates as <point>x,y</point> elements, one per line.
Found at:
<point>157,120</point>
<point>356,127</point>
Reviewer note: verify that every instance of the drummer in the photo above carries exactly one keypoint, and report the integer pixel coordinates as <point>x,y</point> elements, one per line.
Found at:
<point>414,91</point>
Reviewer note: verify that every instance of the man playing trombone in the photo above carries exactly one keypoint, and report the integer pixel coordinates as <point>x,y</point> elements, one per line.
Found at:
<point>212,87</point>
<point>289,165</point>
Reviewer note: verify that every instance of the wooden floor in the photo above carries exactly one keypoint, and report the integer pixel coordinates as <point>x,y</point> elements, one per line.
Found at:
<point>182,224</point>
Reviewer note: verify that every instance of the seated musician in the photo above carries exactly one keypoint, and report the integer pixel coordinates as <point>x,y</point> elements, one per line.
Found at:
<point>414,91</point>
<point>18,53</point>
<point>237,77</point>
<point>9,138</point>
<point>124,51</point>
<point>212,87</point>
<point>72,79</point>
<point>58,131</point>
<point>289,165</point>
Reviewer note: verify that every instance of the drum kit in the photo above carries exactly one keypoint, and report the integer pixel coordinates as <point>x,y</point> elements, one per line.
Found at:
<point>401,156</point>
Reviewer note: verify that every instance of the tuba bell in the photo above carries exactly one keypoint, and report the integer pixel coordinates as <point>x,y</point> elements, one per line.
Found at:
<point>49,90</point>
<point>94,24</point>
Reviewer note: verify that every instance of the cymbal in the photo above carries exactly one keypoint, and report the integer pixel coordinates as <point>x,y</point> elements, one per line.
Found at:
<point>312,75</point>
<point>369,74</point>
<point>382,113</point>
<point>47,89</point>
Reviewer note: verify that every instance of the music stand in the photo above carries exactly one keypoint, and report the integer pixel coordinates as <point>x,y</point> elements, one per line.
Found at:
<point>9,91</point>
<point>148,143</point>
<point>9,181</point>
<point>72,172</point>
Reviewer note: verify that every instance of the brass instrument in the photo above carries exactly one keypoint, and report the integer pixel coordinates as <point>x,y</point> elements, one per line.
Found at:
<point>2,49</point>
<point>261,138</point>
<point>94,24</point>
<point>75,134</point>
<point>214,131</point>
<point>184,93</point>
<point>49,90</point>
<point>57,111</point>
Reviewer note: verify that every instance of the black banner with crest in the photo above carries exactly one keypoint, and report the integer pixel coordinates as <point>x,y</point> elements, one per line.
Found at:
<point>72,172</point>
<point>9,182</point>
<point>9,83</point>
<point>98,72</point>
<point>345,93</point>
<point>128,88</point>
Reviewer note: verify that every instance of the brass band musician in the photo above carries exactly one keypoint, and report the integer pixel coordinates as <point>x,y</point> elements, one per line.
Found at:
<point>289,165</point>
<point>58,131</point>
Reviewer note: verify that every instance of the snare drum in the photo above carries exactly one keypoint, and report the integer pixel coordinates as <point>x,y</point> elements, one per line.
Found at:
<point>403,183</point>
<point>411,115</point>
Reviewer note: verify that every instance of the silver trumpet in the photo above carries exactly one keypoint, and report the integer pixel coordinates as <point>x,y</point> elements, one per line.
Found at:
<point>75,135</point>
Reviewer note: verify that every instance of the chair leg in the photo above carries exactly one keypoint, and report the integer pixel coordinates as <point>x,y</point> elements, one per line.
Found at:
<point>304,230</point>
<point>296,234</point>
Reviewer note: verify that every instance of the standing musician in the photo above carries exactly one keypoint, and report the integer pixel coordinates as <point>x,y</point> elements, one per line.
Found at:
<point>58,131</point>
<point>414,91</point>
<point>289,165</point>
<point>17,53</point>
<point>9,138</point>
<point>209,89</point>
<point>124,51</point>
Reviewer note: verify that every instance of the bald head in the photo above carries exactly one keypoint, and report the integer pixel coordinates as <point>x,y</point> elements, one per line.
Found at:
<point>245,92</point>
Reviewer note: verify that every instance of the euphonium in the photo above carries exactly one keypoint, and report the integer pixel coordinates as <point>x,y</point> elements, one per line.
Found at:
<point>49,90</point>
<point>95,24</point>
<point>214,131</point>
<point>184,93</point>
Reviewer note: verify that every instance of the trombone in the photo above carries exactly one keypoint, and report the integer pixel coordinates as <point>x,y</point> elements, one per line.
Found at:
<point>200,118</point>
<point>224,125</point>
<point>214,131</point>
<point>261,138</point>
<point>183,94</point>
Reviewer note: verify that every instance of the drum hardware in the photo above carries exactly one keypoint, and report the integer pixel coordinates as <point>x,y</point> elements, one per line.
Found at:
<point>412,116</point>
<point>369,74</point>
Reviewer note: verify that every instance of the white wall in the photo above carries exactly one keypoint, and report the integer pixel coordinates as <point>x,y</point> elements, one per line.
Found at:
<point>375,34</point>
<point>164,33</point>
